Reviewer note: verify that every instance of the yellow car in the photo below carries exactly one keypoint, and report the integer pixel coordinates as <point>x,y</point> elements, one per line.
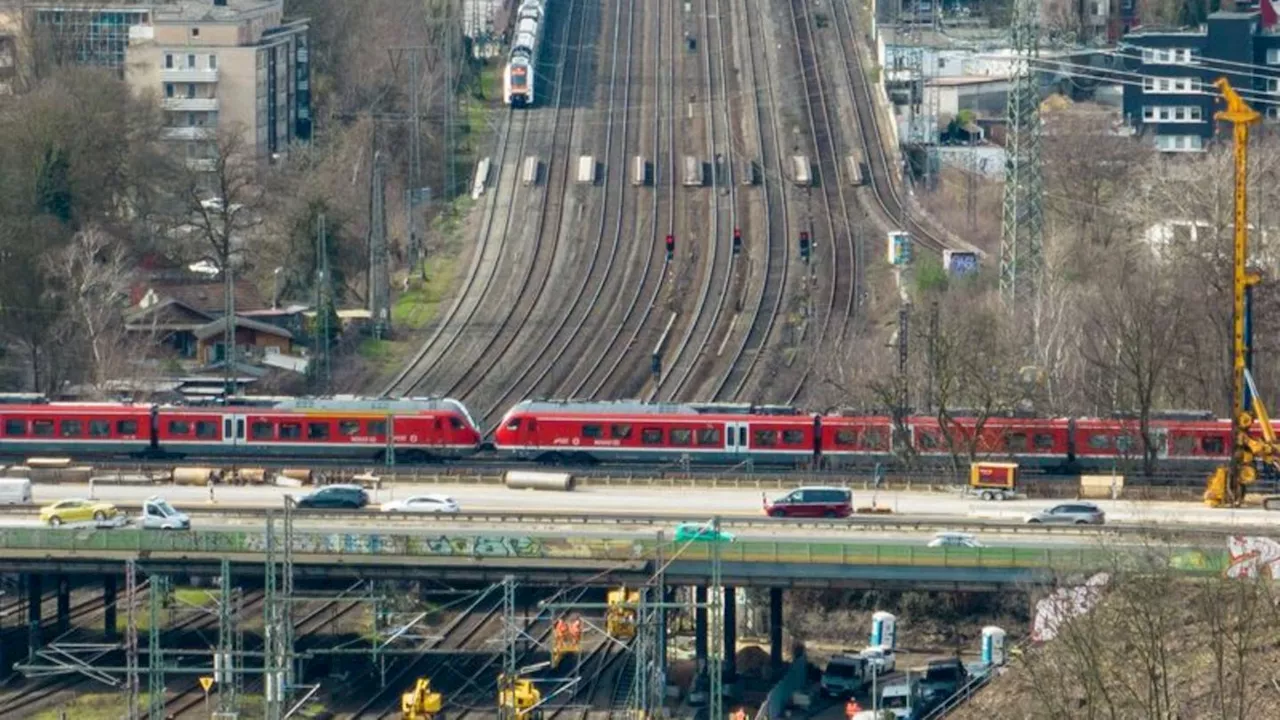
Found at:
<point>77,510</point>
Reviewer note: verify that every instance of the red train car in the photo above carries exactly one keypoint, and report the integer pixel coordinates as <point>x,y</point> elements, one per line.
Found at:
<point>641,432</point>
<point>1030,442</point>
<point>75,428</point>
<point>356,429</point>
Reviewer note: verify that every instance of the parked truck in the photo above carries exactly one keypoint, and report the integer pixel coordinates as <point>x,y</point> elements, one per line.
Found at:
<point>846,674</point>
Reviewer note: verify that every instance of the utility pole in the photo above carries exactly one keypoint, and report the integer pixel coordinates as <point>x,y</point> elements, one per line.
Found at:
<point>902,397</point>
<point>229,331</point>
<point>379,265</point>
<point>1022,229</point>
<point>324,304</point>
<point>159,593</point>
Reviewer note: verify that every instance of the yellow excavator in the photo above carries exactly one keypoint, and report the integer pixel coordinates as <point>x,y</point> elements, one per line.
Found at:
<point>421,703</point>
<point>518,697</point>
<point>1227,485</point>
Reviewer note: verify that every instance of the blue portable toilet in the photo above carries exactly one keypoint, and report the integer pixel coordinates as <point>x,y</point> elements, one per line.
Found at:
<point>884,630</point>
<point>993,645</point>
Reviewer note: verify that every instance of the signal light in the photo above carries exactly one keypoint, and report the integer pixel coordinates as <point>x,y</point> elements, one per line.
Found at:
<point>671,246</point>
<point>804,245</point>
<point>737,241</point>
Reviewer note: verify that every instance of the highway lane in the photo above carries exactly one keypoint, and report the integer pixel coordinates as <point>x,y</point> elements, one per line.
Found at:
<point>697,502</point>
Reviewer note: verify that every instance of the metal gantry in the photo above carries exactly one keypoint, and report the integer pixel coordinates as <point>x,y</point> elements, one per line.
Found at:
<point>157,600</point>
<point>1022,227</point>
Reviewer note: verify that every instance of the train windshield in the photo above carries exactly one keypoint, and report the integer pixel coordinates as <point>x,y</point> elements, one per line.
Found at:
<point>465,413</point>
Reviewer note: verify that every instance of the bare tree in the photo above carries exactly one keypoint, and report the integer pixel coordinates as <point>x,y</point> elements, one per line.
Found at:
<point>1132,331</point>
<point>94,275</point>
<point>221,202</point>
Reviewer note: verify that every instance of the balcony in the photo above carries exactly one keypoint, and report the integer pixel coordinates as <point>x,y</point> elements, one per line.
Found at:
<point>191,104</point>
<point>188,75</point>
<point>188,133</point>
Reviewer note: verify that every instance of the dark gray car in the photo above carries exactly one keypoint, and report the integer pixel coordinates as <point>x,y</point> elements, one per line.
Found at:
<point>1070,513</point>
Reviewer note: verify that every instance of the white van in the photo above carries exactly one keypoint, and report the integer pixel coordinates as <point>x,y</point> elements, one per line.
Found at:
<point>15,491</point>
<point>158,514</point>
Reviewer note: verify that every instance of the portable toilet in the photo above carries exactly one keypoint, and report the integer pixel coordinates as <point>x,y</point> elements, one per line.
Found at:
<point>884,630</point>
<point>993,645</point>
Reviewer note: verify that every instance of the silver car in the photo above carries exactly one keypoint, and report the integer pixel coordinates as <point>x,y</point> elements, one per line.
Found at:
<point>1071,513</point>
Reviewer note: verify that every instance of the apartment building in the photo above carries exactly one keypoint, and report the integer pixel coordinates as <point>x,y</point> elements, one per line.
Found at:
<point>214,64</point>
<point>1168,94</point>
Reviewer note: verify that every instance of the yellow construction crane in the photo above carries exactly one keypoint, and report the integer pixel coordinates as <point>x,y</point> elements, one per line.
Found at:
<point>1227,484</point>
<point>421,703</point>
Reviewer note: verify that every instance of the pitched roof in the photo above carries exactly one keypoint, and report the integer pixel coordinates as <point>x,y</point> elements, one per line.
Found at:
<point>166,315</point>
<point>219,326</point>
<point>208,297</point>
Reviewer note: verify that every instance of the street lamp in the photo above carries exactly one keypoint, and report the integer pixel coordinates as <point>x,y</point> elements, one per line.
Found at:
<point>275,287</point>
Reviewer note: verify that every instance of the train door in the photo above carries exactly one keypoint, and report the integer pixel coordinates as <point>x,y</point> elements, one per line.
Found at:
<point>233,429</point>
<point>735,438</point>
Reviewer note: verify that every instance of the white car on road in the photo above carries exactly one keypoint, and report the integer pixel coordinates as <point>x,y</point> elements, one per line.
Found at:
<point>881,658</point>
<point>954,539</point>
<point>422,504</point>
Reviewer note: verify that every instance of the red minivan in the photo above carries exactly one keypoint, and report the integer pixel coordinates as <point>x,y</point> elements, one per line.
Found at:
<point>831,502</point>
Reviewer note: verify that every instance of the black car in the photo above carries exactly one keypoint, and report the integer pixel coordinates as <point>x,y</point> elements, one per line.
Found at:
<point>336,496</point>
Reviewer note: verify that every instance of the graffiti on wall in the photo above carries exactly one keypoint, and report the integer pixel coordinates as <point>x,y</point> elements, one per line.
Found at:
<point>468,546</point>
<point>1253,556</point>
<point>1064,604</point>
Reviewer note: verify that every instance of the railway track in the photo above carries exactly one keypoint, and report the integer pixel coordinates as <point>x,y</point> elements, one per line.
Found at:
<point>842,291</point>
<point>768,302</point>
<point>534,368</point>
<point>893,209</point>
<point>497,357</point>
<point>643,276</point>
<point>621,377</point>
<point>718,263</point>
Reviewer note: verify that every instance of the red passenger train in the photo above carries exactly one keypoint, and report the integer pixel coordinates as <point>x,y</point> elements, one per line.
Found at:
<point>423,429</point>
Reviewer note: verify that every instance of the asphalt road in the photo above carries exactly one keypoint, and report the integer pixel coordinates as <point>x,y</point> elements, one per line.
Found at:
<point>697,502</point>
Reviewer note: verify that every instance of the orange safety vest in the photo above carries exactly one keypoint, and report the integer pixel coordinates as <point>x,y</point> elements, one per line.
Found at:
<point>560,628</point>
<point>575,629</point>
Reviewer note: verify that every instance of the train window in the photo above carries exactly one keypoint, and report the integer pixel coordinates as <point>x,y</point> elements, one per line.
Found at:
<point>681,436</point>
<point>792,437</point>
<point>513,424</point>
<point>651,436</point>
<point>262,430</point>
<point>1043,441</point>
<point>377,427</point>
<point>1015,442</point>
<point>928,441</point>
<point>42,428</point>
<point>871,439</point>
<point>347,428</point>
<point>99,428</point>
<point>709,436</point>
<point>13,427</point>
<point>208,429</point>
<point>764,438</point>
<point>179,427</point>
<point>1098,441</point>
<point>620,431</point>
<point>846,437</point>
<point>126,427</point>
<point>592,431</point>
<point>70,428</point>
<point>290,431</point>
<point>1213,445</point>
<point>318,431</point>
<point>1125,443</point>
<point>455,423</point>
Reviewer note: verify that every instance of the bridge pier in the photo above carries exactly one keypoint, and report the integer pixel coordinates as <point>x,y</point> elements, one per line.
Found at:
<point>775,629</point>
<point>730,634</point>
<point>700,625</point>
<point>64,604</point>
<point>35,607</point>
<point>109,603</point>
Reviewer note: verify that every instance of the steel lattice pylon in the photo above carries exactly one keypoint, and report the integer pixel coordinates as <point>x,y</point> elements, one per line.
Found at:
<point>159,593</point>
<point>1022,231</point>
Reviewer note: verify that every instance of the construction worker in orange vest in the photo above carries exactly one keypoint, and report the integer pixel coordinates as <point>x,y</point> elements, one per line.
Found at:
<point>739,714</point>
<point>852,708</point>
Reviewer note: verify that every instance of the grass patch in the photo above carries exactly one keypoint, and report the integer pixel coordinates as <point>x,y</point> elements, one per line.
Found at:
<point>91,706</point>
<point>375,350</point>
<point>421,302</point>
<point>194,597</point>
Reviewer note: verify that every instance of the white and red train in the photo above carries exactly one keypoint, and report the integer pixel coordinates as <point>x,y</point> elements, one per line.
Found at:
<point>428,430</point>
<point>518,77</point>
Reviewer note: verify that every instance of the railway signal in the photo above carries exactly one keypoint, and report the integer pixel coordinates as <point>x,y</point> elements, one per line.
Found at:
<point>671,247</point>
<point>737,241</point>
<point>804,245</point>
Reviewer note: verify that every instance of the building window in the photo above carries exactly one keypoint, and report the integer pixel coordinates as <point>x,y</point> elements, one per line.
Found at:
<point>168,90</point>
<point>1171,85</point>
<point>1273,85</point>
<point>1273,56</point>
<point>191,62</point>
<point>191,90</point>
<point>195,32</point>
<point>213,62</point>
<point>1171,113</point>
<point>168,61</point>
<point>1178,143</point>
